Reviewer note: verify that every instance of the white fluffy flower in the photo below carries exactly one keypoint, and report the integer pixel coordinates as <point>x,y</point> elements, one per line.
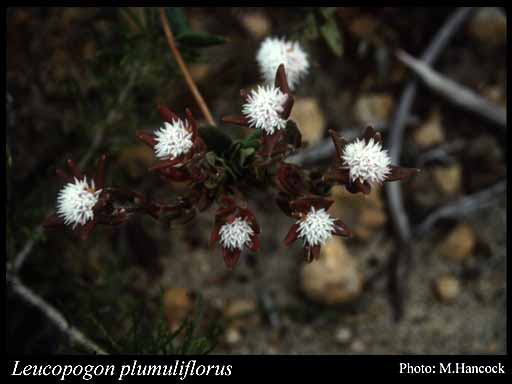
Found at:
<point>173,140</point>
<point>264,107</point>
<point>274,51</point>
<point>235,235</point>
<point>76,201</point>
<point>316,228</point>
<point>367,161</point>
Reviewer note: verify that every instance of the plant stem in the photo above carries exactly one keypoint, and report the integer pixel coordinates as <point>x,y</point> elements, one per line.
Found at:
<point>183,67</point>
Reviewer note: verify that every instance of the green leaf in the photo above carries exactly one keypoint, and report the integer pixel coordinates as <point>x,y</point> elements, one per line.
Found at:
<point>332,36</point>
<point>199,39</point>
<point>178,20</point>
<point>328,12</point>
<point>252,140</point>
<point>246,153</point>
<point>311,28</point>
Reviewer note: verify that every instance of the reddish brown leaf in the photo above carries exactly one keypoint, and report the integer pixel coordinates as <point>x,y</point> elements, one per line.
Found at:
<point>146,139</point>
<point>292,234</point>
<point>236,120</point>
<point>269,142</point>
<point>400,173</point>
<point>214,237</point>
<point>281,81</point>
<point>167,115</point>
<point>230,257</point>
<point>369,133</point>
<point>287,107</point>
<point>341,229</point>
<point>339,145</point>
<point>303,205</point>
<point>192,123</point>
<point>255,244</point>
<point>167,163</point>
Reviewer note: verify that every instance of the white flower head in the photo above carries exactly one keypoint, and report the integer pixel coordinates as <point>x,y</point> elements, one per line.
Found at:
<point>275,51</point>
<point>75,202</point>
<point>236,235</point>
<point>264,107</point>
<point>316,228</point>
<point>173,140</point>
<point>367,161</point>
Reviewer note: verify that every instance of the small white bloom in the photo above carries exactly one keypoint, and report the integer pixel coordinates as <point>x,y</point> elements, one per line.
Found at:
<point>173,140</point>
<point>316,228</point>
<point>235,235</point>
<point>274,51</point>
<point>367,161</point>
<point>76,201</point>
<point>264,107</point>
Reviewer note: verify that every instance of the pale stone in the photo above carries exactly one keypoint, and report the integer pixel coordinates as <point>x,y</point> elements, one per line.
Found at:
<point>257,24</point>
<point>447,288</point>
<point>448,179</point>
<point>334,278</point>
<point>310,119</point>
<point>459,244</point>
<point>431,132</point>
<point>373,108</point>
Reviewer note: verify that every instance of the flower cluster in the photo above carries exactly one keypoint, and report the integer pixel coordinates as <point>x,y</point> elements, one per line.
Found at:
<point>276,51</point>
<point>363,162</point>
<point>236,229</point>
<point>216,169</point>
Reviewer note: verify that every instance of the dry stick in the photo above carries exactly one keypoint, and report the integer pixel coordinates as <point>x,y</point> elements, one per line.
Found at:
<point>454,92</point>
<point>440,153</point>
<point>463,206</point>
<point>20,258</point>
<point>400,220</point>
<point>183,67</point>
<point>53,315</point>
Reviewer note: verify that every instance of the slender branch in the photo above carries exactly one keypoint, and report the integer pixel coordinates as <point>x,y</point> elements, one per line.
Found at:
<point>183,67</point>
<point>20,258</point>
<point>454,92</point>
<point>463,206</point>
<point>440,153</point>
<point>396,132</point>
<point>53,315</point>
<point>401,260</point>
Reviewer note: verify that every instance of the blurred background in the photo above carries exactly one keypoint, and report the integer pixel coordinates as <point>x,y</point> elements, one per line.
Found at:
<point>81,81</point>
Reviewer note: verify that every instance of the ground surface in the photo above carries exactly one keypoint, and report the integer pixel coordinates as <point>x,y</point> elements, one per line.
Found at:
<point>77,86</point>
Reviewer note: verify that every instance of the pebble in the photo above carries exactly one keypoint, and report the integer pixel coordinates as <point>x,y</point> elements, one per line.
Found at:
<point>257,24</point>
<point>459,244</point>
<point>431,132</point>
<point>372,108</point>
<point>343,335</point>
<point>489,26</point>
<point>232,336</point>
<point>448,179</point>
<point>447,288</point>
<point>334,278</point>
<point>310,119</point>
<point>177,304</point>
